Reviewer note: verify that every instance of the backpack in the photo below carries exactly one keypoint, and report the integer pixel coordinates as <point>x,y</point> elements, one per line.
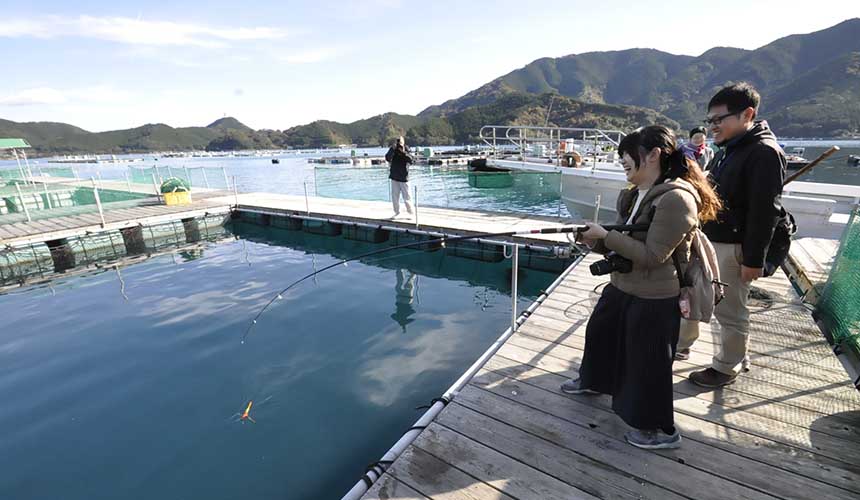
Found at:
<point>701,288</point>
<point>780,243</point>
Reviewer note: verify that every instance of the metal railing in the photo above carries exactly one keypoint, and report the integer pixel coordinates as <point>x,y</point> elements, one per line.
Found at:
<point>521,136</point>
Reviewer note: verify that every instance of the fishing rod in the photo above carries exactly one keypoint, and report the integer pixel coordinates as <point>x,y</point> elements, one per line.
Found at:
<point>440,242</point>
<point>811,165</point>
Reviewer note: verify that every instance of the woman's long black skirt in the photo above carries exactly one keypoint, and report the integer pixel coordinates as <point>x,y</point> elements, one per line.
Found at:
<point>629,348</point>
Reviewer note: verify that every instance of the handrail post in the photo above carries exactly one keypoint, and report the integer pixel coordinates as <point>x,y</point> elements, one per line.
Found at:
<point>236,192</point>
<point>560,193</point>
<point>415,204</point>
<point>596,208</point>
<point>127,181</point>
<point>20,168</point>
<point>155,186</point>
<point>205,179</point>
<point>48,197</point>
<point>515,261</point>
<point>226,180</point>
<point>23,203</point>
<point>188,177</point>
<point>29,170</point>
<point>307,203</point>
<point>98,201</point>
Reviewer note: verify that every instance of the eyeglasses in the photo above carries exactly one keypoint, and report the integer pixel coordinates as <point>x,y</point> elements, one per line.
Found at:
<point>717,120</point>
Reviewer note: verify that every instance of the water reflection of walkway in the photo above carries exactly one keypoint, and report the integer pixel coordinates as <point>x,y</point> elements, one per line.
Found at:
<point>404,298</point>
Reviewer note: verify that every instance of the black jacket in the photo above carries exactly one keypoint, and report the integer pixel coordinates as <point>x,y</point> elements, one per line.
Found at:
<point>747,175</point>
<point>399,160</point>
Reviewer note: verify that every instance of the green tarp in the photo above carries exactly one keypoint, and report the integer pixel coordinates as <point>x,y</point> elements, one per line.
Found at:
<point>13,144</point>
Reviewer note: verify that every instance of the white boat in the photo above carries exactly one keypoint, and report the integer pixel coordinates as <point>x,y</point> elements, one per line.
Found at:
<point>821,210</point>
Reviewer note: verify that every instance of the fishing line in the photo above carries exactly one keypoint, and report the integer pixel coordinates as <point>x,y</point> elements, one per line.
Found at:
<point>440,242</point>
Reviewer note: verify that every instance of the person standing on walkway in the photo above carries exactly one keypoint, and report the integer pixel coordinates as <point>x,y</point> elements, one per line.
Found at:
<point>631,335</point>
<point>747,174</point>
<point>399,160</point>
<point>697,148</point>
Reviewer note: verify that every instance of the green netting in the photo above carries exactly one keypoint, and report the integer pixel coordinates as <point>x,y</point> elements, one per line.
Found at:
<point>174,184</point>
<point>49,201</point>
<point>839,305</point>
<point>201,177</point>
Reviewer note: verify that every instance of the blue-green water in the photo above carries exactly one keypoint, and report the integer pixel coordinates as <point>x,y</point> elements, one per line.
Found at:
<point>107,398</point>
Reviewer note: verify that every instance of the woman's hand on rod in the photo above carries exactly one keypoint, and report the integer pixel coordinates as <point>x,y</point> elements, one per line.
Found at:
<point>595,231</point>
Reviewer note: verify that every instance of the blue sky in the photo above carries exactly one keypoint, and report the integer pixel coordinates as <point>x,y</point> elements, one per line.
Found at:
<point>104,65</point>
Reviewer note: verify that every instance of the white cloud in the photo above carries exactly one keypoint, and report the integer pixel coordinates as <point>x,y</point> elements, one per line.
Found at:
<point>28,97</point>
<point>48,96</point>
<point>310,56</point>
<point>132,31</point>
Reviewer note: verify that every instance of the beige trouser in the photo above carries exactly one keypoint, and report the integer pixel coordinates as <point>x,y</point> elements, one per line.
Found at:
<point>732,337</point>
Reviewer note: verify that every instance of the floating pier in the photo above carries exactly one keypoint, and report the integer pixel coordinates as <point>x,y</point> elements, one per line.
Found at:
<point>787,429</point>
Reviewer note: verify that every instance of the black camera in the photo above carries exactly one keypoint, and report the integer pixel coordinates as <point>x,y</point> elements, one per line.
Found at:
<point>612,262</point>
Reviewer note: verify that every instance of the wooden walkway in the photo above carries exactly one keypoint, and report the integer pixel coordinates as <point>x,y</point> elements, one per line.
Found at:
<point>36,231</point>
<point>376,212</point>
<point>809,262</point>
<point>787,429</point>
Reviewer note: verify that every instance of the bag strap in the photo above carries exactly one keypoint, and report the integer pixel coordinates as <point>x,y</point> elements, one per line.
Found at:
<point>677,261</point>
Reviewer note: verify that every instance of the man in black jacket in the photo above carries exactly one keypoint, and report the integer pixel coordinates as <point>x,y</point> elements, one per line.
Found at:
<point>747,174</point>
<point>399,175</point>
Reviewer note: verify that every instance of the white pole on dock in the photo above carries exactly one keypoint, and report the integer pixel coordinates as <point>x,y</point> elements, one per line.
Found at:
<point>127,181</point>
<point>98,201</point>
<point>596,208</point>
<point>29,171</point>
<point>48,196</point>
<point>226,181</point>
<point>20,168</point>
<point>23,204</point>
<point>155,186</point>
<point>307,203</point>
<point>205,179</point>
<point>75,173</point>
<point>515,267</point>
<point>187,175</point>
<point>415,196</point>
<point>560,193</point>
<point>157,173</point>
<point>236,191</point>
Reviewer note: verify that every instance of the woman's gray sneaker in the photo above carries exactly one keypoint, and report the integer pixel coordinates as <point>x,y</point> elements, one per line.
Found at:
<point>573,387</point>
<point>653,440</point>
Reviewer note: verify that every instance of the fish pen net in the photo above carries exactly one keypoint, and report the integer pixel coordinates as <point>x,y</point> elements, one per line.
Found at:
<point>839,306</point>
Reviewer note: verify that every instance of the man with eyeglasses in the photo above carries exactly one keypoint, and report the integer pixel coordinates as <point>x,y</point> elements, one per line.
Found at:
<point>747,174</point>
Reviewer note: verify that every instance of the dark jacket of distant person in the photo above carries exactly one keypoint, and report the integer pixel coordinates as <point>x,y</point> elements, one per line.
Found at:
<point>399,160</point>
<point>747,174</point>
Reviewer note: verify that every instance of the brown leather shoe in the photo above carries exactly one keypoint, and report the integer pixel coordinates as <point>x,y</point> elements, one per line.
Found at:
<point>711,378</point>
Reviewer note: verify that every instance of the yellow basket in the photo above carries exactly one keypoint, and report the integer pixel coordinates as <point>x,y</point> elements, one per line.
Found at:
<point>177,198</point>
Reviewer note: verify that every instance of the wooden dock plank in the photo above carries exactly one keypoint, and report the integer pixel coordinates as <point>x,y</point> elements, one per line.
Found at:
<point>774,409</point>
<point>716,406</point>
<point>541,450</point>
<point>788,429</point>
<point>490,467</point>
<point>565,420</point>
<point>435,478</point>
<point>794,459</point>
<point>390,488</point>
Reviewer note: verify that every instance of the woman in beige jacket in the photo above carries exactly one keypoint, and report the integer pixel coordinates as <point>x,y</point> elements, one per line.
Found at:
<point>632,333</point>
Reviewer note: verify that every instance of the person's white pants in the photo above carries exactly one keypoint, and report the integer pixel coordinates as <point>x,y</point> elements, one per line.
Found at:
<point>399,189</point>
